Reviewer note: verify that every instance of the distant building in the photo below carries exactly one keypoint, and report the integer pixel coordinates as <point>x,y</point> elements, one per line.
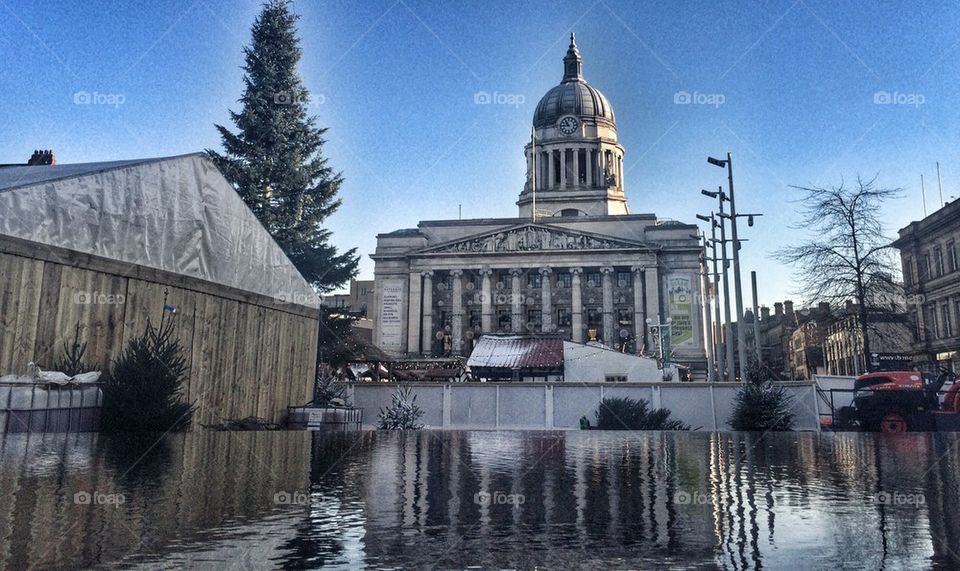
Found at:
<point>575,261</point>
<point>931,275</point>
<point>843,348</point>
<point>357,301</point>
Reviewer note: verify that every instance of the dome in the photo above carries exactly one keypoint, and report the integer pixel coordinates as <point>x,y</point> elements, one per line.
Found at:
<point>573,96</point>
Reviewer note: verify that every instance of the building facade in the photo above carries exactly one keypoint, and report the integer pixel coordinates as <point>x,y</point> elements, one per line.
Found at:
<point>575,261</point>
<point>931,275</point>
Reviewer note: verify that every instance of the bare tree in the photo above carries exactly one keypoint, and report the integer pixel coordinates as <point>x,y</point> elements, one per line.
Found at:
<point>847,256</point>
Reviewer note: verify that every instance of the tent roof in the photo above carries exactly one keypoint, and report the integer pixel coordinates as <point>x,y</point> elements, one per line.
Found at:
<point>176,214</point>
<point>517,352</point>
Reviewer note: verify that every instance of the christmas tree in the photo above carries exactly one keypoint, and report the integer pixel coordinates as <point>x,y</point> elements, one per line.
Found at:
<point>275,159</point>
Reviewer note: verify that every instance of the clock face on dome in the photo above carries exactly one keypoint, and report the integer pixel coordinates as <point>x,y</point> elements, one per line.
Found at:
<point>568,125</point>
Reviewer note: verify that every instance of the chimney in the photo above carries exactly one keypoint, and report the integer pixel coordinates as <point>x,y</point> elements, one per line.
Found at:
<point>764,313</point>
<point>788,307</point>
<point>778,309</point>
<point>42,157</point>
<point>824,307</point>
<point>849,306</point>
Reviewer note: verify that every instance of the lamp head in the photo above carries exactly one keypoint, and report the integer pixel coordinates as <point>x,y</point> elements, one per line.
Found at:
<point>717,162</point>
<point>703,217</point>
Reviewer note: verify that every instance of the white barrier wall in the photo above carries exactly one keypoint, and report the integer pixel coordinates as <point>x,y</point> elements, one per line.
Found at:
<point>548,406</point>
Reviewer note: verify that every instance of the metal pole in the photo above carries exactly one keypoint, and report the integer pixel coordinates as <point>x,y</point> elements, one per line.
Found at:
<point>738,289</point>
<point>756,318</point>
<point>705,314</point>
<point>717,323</point>
<point>727,333</point>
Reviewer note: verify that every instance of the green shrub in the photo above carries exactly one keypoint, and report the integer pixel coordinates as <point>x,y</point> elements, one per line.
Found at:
<point>403,413</point>
<point>629,414</point>
<point>760,405</point>
<point>143,390</point>
<point>327,389</point>
<point>72,362</point>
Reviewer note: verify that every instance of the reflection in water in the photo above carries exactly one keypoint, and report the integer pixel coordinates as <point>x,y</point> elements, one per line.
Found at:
<point>487,499</point>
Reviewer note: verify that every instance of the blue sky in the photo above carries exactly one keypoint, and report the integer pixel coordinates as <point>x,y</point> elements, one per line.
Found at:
<point>796,89</point>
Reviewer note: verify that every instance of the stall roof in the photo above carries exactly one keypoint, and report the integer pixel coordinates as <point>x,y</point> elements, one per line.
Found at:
<point>175,214</point>
<point>517,352</point>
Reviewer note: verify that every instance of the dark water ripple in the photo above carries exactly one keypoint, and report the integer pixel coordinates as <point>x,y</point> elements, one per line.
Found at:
<point>484,500</point>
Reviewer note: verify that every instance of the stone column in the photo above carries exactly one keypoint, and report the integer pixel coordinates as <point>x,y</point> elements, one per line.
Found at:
<point>413,313</point>
<point>456,321</point>
<point>576,166</point>
<point>427,341</point>
<point>639,315</point>
<point>576,306</point>
<point>486,301</point>
<point>516,320</point>
<point>651,285</point>
<point>563,168</point>
<point>551,169</point>
<point>601,164</point>
<point>591,167</point>
<point>610,338</point>
<point>546,302</point>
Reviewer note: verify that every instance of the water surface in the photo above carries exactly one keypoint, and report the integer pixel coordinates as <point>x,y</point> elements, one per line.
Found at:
<point>444,500</point>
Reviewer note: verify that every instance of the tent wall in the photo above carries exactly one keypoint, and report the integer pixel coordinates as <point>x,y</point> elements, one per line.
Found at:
<point>248,354</point>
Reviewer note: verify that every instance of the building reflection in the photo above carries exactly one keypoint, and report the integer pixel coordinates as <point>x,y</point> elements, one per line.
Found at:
<point>490,499</point>
<point>732,500</point>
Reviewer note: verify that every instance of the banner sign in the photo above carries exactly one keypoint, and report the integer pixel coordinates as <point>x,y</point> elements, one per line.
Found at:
<point>680,309</point>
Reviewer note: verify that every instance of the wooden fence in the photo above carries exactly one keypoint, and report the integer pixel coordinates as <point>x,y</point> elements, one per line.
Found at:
<point>249,355</point>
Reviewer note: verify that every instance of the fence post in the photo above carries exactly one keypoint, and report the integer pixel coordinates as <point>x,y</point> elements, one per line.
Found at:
<point>445,411</point>
<point>548,406</point>
<point>496,423</point>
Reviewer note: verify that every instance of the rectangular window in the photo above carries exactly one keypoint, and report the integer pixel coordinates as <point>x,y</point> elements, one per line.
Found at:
<point>625,317</point>
<point>503,280</point>
<point>947,322</point>
<point>926,267</point>
<point>476,280</point>
<point>534,319</point>
<point>593,279</point>
<point>445,319</point>
<point>907,271</point>
<point>476,318</point>
<point>615,379</point>
<point>533,279</point>
<point>564,317</point>
<point>952,255</point>
<point>564,279</point>
<point>624,279</point>
<point>504,319</point>
<point>594,317</point>
<point>938,260</point>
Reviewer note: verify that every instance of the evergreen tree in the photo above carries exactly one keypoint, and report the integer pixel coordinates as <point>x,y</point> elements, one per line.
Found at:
<point>761,405</point>
<point>275,160</point>
<point>144,390</point>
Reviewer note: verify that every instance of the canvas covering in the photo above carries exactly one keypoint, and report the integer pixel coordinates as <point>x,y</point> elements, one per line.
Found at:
<point>176,214</point>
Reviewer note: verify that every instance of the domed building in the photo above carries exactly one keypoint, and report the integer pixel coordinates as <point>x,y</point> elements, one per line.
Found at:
<point>575,263</point>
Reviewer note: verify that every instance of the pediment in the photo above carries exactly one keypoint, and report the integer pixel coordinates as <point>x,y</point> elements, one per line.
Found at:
<point>532,238</point>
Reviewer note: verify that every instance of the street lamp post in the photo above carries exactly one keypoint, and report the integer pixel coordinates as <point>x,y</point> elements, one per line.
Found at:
<point>727,326</point>
<point>737,286</point>
<point>717,337</point>
<point>705,306</point>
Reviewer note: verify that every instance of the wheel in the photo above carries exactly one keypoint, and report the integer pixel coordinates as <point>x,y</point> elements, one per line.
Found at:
<point>893,423</point>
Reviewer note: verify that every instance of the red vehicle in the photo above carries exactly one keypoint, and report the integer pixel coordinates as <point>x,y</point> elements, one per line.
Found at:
<point>898,401</point>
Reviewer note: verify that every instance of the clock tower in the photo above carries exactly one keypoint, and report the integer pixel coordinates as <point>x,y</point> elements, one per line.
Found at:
<point>574,160</point>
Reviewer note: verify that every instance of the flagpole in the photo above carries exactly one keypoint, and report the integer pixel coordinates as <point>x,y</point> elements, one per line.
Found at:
<point>533,169</point>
